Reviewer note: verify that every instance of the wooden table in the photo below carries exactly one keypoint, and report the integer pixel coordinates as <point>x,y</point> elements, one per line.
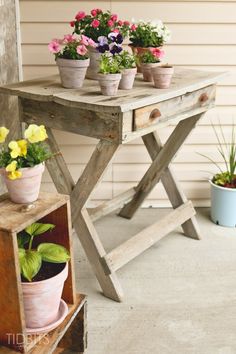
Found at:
<point>116,121</point>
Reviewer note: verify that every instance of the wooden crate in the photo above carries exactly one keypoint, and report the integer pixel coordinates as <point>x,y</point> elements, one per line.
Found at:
<point>71,334</point>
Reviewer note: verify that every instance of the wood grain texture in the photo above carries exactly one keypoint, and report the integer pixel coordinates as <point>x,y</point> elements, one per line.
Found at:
<point>90,98</point>
<point>130,249</point>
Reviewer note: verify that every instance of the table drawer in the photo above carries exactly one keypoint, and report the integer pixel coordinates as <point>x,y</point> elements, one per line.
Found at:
<point>170,109</point>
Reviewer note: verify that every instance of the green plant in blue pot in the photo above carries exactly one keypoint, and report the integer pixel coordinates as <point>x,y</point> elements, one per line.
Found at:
<point>223,183</point>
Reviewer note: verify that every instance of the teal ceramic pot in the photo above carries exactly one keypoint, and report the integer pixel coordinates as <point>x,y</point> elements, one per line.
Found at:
<point>223,205</point>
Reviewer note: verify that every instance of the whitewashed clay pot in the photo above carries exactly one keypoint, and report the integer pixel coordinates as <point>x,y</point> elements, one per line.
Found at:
<point>42,300</point>
<point>147,71</point>
<point>72,72</point>
<point>93,69</point>
<point>109,83</point>
<point>127,78</point>
<point>162,76</point>
<point>25,190</point>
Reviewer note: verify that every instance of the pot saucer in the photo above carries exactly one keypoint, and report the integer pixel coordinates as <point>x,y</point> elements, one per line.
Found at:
<point>62,313</point>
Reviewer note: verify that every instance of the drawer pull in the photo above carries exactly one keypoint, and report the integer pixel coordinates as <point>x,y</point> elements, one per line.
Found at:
<point>203,98</point>
<point>155,114</point>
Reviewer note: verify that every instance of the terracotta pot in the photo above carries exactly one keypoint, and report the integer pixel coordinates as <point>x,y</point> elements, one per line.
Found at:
<point>93,69</point>
<point>127,78</point>
<point>147,71</point>
<point>25,190</point>
<point>162,76</point>
<point>109,83</point>
<point>72,72</point>
<point>139,51</point>
<point>42,300</point>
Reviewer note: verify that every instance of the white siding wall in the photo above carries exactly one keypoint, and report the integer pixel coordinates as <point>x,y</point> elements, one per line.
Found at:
<point>204,37</point>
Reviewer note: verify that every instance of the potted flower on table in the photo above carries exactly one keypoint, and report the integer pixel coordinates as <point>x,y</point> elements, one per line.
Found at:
<point>97,25</point>
<point>150,59</point>
<point>127,63</point>
<point>44,269</point>
<point>71,54</point>
<point>148,35</point>
<point>223,184</point>
<point>109,74</point>
<point>22,163</point>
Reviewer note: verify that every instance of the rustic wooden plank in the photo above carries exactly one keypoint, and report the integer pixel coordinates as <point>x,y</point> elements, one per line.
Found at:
<point>109,206</point>
<point>12,324</point>
<point>95,252</point>
<point>57,167</point>
<point>83,121</point>
<point>90,98</point>
<point>169,109</point>
<point>161,162</point>
<point>91,175</point>
<point>148,237</point>
<point>172,187</point>
<point>15,217</point>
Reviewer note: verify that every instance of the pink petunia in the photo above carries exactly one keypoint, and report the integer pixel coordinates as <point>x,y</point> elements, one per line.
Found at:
<point>110,23</point>
<point>133,27</point>
<point>114,17</point>
<point>69,38</point>
<point>80,15</point>
<point>54,47</point>
<point>72,23</point>
<point>91,43</point>
<point>84,40</point>
<point>95,23</point>
<point>94,12</point>
<point>158,53</point>
<point>81,50</point>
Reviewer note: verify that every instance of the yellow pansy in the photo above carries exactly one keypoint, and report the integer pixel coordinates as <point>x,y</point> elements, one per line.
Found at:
<point>35,133</point>
<point>3,134</point>
<point>18,148</point>
<point>13,173</point>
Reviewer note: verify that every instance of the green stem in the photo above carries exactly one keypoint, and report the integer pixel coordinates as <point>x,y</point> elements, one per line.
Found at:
<point>30,243</point>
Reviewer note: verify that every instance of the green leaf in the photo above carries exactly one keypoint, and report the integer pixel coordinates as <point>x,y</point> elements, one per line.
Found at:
<point>38,228</point>
<point>30,263</point>
<point>22,239</point>
<point>53,253</point>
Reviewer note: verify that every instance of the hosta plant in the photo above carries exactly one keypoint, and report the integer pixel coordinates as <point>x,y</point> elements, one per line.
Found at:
<point>31,259</point>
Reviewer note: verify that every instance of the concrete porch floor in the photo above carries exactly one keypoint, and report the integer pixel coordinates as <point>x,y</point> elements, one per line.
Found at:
<point>180,295</point>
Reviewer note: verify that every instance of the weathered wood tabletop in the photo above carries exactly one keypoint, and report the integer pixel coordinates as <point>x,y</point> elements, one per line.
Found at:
<point>115,121</point>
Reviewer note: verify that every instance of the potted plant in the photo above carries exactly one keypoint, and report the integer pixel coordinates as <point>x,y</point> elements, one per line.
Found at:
<point>97,25</point>
<point>109,74</point>
<point>162,76</point>
<point>147,35</point>
<point>21,163</point>
<point>127,63</point>
<point>71,54</point>
<point>150,59</point>
<point>223,184</point>
<point>44,270</point>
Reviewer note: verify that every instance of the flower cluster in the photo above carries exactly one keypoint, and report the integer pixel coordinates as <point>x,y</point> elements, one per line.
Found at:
<point>71,47</point>
<point>22,153</point>
<point>149,34</point>
<point>153,55</point>
<point>99,23</point>
<point>112,43</point>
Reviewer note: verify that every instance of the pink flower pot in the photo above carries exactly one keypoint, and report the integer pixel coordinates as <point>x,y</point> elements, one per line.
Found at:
<point>162,76</point>
<point>25,190</point>
<point>109,83</point>
<point>72,72</point>
<point>93,69</point>
<point>147,71</point>
<point>42,300</point>
<point>127,79</point>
